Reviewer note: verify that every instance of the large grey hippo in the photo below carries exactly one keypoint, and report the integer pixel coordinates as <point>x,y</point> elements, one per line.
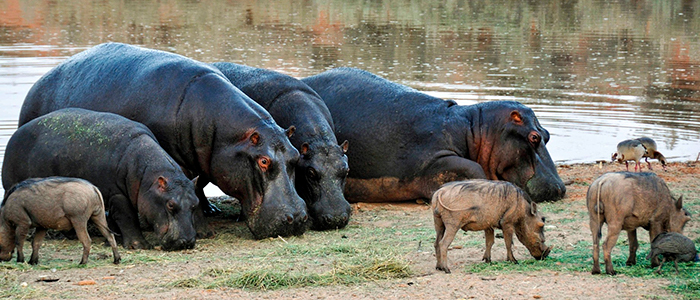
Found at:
<point>323,166</point>
<point>406,144</point>
<point>205,123</point>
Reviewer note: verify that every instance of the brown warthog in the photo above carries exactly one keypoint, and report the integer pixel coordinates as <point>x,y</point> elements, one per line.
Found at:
<point>626,201</point>
<point>59,203</point>
<point>478,204</point>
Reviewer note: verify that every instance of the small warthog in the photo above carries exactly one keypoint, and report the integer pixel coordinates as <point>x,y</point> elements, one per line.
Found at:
<point>476,205</point>
<point>672,246</point>
<point>626,201</point>
<point>59,203</point>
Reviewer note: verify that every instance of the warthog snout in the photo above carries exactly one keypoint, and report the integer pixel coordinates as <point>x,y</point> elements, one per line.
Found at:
<point>545,253</point>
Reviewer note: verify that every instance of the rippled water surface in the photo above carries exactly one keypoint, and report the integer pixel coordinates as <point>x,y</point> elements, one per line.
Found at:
<point>594,72</point>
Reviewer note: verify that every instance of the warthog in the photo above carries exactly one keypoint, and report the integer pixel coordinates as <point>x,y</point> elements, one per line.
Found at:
<point>59,203</point>
<point>626,201</point>
<point>672,246</point>
<point>478,204</point>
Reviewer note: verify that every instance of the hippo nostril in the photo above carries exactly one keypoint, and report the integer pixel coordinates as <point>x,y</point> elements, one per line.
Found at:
<point>290,218</point>
<point>344,217</point>
<point>305,218</point>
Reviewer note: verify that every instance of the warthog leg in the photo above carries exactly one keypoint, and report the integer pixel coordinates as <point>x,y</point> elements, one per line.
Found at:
<point>613,233</point>
<point>488,234</point>
<point>632,237</point>
<point>36,244</point>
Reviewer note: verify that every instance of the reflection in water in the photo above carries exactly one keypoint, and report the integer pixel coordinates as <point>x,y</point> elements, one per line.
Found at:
<point>595,72</point>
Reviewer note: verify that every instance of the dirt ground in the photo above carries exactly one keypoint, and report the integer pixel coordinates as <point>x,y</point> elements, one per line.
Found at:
<point>568,225</point>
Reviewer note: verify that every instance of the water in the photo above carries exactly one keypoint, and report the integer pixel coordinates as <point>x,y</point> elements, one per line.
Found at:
<point>594,72</point>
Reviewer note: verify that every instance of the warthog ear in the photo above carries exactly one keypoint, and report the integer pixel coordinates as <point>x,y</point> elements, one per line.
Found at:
<point>162,184</point>
<point>679,203</point>
<point>344,146</point>
<point>533,208</point>
<point>290,131</point>
<point>194,180</point>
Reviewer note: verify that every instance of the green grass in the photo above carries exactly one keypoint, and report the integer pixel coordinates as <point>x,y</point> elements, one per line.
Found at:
<point>377,245</point>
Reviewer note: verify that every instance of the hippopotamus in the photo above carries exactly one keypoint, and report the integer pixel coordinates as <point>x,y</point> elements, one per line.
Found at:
<point>139,182</point>
<point>406,144</point>
<point>206,124</point>
<point>323,166</point>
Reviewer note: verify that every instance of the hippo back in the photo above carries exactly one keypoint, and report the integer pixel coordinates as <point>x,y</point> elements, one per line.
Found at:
<point>78,143</point>
<point>396,131</point>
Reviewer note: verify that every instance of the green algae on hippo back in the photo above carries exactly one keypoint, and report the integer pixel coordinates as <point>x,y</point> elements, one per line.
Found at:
<point>76,129</point>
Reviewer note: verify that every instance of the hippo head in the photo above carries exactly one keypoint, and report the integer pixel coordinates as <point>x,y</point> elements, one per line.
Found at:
<point>259,171</point>
<point>168,205</point>
<point>321,174</point>
<point>679,217</point>
<point>530,232</point>
<point>514,150</point>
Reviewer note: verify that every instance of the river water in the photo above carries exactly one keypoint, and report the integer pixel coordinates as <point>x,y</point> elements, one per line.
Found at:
<point>594,72</point>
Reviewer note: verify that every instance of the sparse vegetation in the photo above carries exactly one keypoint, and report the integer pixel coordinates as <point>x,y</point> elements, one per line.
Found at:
<point>383,243</point>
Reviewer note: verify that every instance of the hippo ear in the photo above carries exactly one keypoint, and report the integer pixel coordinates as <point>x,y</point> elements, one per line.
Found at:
<point>344,146</point>
<point>516,117</point>
<point>679,203</point>
<point>304,149</point>
<point>255,138</point>
<point>533,208</point>
<point>290,131</point>
<point>162,184</point>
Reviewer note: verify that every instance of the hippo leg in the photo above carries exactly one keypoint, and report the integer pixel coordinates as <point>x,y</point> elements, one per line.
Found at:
<point>39,235</point>
<point>127,220</point>
<point>613,233</point>
<point>207,207</point>
<point>634,244</point>
<point>101,222</point>
<point>488,234</point>
<point>447,238</point>
<point>508,238</point>
<point>80,227</point>
<point>595,231</point>
<point>462,168</point>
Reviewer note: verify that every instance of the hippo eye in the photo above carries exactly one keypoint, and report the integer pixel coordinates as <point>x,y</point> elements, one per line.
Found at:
<point>534,138</point>
<point>264,163</point>
<point>311,173</point>
<point>171,205</point>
